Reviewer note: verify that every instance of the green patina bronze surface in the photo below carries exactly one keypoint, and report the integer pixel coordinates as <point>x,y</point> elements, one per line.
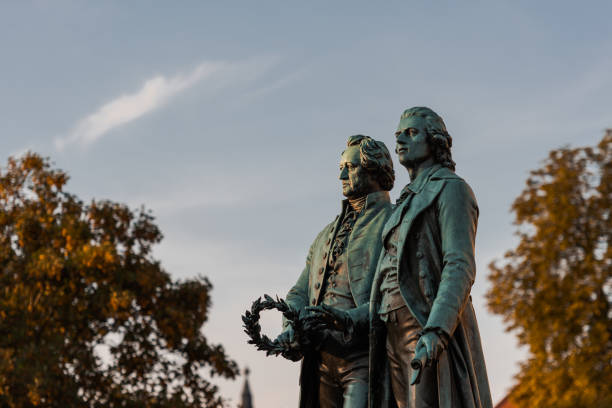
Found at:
<point>422,349</point>
<point>337,279</point>
<point>435,227</point>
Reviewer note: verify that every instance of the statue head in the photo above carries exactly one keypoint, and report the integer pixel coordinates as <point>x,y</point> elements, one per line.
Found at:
<point>365,167</point>
<point>421,135</point>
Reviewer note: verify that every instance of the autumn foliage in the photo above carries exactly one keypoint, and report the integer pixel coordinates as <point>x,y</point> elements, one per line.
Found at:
<point>88,318</point>
<point>554,289</point>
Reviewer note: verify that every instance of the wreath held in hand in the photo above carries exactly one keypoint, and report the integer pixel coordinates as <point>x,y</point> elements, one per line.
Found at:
<point>252,328</point>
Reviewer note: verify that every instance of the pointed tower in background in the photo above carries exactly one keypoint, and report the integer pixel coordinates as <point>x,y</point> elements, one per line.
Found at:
<point>247,399</point>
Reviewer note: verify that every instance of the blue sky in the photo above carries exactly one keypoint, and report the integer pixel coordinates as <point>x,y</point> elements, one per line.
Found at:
<point>228,119</point>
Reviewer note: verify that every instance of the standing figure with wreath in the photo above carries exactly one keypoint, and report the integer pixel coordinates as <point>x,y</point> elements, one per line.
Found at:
<point>337,278</point>
<point>425,349</point>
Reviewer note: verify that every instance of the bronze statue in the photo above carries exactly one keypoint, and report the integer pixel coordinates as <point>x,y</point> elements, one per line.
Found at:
<point>338,276</point>
<point>420,306</point>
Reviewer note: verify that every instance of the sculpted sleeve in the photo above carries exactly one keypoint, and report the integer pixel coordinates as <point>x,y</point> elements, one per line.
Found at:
<point>457,219</point>
<point>297,297</point>
<point>356,329</point>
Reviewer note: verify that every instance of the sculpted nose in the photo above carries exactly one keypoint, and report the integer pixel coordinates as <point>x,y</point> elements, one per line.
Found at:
<point>399,144</point>
<point>401,138</point>
<point>343,174</point>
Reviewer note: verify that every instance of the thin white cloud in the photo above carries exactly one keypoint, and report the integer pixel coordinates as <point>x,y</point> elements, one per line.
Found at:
<point>154,93</point>
<point>275,85</point>
<point>157,91</point>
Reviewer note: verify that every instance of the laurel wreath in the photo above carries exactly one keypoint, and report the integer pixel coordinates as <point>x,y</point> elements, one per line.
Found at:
<point>252,328</point>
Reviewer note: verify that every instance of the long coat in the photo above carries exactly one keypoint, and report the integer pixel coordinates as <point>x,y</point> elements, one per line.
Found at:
<point>363,249</point>
<point>437,225</point>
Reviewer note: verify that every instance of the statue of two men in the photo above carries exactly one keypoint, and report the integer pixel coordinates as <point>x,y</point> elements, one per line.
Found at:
<point>384,283</point>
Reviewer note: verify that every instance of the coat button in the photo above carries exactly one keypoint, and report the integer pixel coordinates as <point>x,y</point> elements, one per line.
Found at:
<point>321,271</point>
<point>325,255</point>
<point>419,254</point>
<point>313,301</point>
<point>328,241</point>
<point>318,285</point>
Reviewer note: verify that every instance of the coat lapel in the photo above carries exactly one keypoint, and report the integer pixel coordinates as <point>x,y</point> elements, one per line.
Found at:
<point>415,187</point>
<point>336,225</point>
<point>418,203</point>
<point>395,218</point>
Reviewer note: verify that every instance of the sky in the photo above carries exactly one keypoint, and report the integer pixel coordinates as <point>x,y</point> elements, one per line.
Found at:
<point>227,120</point>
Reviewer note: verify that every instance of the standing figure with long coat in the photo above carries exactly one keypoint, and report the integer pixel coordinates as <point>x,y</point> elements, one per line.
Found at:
<point>420,302</point>
<point>339,270</point>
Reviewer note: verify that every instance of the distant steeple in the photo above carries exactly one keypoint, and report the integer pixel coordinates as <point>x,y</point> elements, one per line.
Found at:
<point>247,400</point>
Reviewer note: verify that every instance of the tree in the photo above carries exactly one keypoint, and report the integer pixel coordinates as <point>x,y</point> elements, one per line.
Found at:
<point>88,318</point>
<point>555,288</point>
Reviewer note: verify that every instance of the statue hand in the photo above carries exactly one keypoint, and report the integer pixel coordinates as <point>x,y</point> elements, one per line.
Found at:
<point>288,341</point>
<point>434,345</point>
<point>327,317</point>
<point>287,338</point>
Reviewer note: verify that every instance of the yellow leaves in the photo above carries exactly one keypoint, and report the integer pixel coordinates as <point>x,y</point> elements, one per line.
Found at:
<point>114,302</point>
<point>109,257</point>
<point>101,257</point>
<point>119,304</point>
<point>67,267</point>
<point>550,290</point>
<point>33,392</point>
<point>47,264</point>
<point>120,300</point>
<point>68,246</point>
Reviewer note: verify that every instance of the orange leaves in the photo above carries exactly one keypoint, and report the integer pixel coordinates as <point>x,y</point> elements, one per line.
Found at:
<point>119,304</point>
<point>68,241</point>
<point>75,275</point>
<point>45,264</point>
<point>554,288</point>
<point>102,257</point>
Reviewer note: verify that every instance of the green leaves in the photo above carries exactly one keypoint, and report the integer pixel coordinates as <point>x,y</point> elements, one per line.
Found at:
<point>554,289</point>
<point>87,316</point>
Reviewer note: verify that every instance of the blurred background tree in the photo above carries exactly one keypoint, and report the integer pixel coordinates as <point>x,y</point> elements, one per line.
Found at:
<point>88,318</point>
<point>555,288</point>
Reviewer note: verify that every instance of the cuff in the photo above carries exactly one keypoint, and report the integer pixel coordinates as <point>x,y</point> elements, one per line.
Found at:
<point>441,334</point>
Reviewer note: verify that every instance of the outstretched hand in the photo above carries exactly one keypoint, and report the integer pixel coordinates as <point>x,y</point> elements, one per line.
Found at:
<point>326,317</point>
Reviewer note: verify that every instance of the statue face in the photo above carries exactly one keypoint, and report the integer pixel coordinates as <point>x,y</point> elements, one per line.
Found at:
<point>356,181</point>
<point>411,141</point>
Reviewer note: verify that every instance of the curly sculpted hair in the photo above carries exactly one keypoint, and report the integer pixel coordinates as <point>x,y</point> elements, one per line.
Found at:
<point>439,140</point>
<point>375,157</point>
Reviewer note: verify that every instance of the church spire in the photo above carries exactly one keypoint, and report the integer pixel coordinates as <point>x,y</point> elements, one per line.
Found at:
<point>247,400</point>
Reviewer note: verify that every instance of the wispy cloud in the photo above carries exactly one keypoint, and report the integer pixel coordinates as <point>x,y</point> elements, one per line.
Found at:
<point>155,92</point>
<point>159,90</point>
<point>278,83</point>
